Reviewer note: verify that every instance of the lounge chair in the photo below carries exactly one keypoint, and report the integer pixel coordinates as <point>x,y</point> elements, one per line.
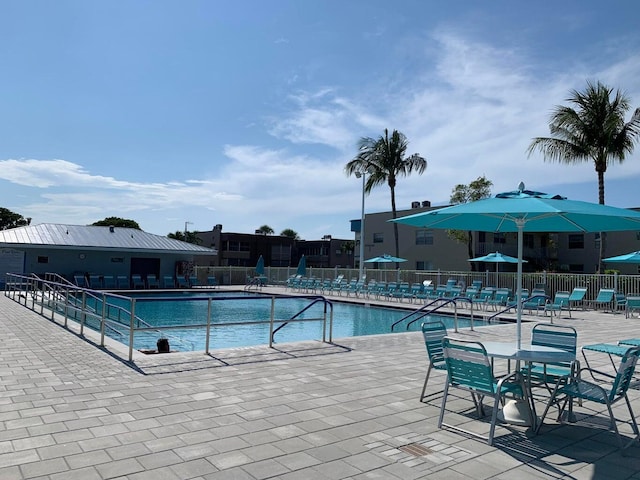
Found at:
<point>605,393</point>
<point>604,299</point>
<point>484,296</point>
<point>211,281</point>
<point>168,282</point>
<point>122,281</point>
<point>152,281</point>
<point>433,333</point>
<point>619,302</point>
<point>403,291</point>
<point>109,282</point>
<point>193,281</point>
<point>183,281</point>
<point>536,301</point>
<point>80,281</point>
<point>469,369</point>
<point>577,295</point>
<point>499,299</point>
<point>95,282</point>
<point>560,303</point>
<point>633,305</point>
<point>137,282</point>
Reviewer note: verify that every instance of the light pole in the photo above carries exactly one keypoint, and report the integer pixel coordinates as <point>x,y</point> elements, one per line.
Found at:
<point>185,229</point>
<point>361,263</point>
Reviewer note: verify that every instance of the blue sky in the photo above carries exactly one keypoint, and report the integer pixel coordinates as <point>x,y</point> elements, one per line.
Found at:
<point>244,113</point>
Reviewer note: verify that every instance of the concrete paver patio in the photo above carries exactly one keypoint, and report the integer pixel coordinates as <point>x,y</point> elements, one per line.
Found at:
<point>349,410</point>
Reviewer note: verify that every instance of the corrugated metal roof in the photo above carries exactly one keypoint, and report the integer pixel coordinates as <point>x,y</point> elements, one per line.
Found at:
<point>87,236</point>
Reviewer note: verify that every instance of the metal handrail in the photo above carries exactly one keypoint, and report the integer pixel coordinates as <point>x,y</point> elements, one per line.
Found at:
<point>514,305</point>
<point>318,299</point>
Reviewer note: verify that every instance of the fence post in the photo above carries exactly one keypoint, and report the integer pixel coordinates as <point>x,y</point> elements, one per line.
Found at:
<point>206,347</point>
<point>273,306</point>
<point>131,327</point>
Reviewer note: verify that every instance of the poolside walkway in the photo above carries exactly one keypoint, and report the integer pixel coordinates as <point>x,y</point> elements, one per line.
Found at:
<point>349,410</point>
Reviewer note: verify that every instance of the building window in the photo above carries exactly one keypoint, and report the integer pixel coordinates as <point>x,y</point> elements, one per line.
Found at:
<point>576,267</point>
<point>597,240</point>
<point>482,237</point>
<point>43,259</point>
<point>234,246</point>
<point>424,237</point>
<point>576,241</point>
<point>423,265</point>
<point>499,238</point>
<point>527,240</point>
<point>378,237</point>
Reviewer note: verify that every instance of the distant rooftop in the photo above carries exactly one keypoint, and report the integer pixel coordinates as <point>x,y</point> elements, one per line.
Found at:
<point>94,237</point>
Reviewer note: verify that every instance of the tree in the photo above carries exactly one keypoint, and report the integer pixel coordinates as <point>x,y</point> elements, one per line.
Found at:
<point>477,190</point>
<point>595,130</point>
<point>384,160</point>
<point>117,222</point>
<point>9,219</point>
<point>287,232</point>
<point>265,229</point>
<point>189,237</point>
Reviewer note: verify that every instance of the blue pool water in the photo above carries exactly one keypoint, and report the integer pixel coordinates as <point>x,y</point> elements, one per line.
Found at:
<point>349,320</point>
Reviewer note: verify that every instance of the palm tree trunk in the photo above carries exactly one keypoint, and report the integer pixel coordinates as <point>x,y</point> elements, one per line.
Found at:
<point>395,225</point>
<point>470,250</point>
<point>603,235</point>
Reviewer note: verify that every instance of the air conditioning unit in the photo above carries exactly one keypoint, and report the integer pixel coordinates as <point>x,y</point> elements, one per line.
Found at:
<point>426,203</point>
<point>415,204</point>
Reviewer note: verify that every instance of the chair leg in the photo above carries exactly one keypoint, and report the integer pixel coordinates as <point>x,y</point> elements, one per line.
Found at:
<point>426,380</point>
<point>552,400</point>
<point>494,417</point>
<point>444,403</point>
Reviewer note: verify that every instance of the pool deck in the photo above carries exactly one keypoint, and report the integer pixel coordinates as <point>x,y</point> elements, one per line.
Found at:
<point>70,409</point>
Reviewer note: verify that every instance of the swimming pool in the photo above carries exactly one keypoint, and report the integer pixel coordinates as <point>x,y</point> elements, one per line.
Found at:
<point>180,309</point>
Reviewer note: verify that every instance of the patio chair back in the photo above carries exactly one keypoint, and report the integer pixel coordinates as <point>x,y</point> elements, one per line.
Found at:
<point>557,336</point>
<point>468,365</point>
<point>625,374</point>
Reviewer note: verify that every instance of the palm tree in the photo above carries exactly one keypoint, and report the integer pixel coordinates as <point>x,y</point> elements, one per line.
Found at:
<point>594,130</point>
<point>384,160</point>
<point>288,232</point>
<point>266,230</point>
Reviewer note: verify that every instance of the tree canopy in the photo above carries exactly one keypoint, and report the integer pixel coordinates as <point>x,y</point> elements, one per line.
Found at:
<point>189,237</point>
<point>287,232</point>
<point>117,222</point>
<point>9,219</point>
<point>266,229</point>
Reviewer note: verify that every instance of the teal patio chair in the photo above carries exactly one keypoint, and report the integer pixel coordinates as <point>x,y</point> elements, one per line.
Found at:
<point>556,336</point>
<point>211,281</point>
<point>604,299</point>
<point>80,281</point>
<point>619,302</point>
<point>109,282</point>
<point>136,281</point>
<point>633,305</point>
<point>152,281</point>
<point>122,281</point>
<point>577,295</point>
<point>605,393</point>
<point>560,303</point>
<point>536,301</point>
<point>95,282</point>
<point>433,334</point>
<point>499,299</point>
<point>168,282</point>
<point>469,369</point>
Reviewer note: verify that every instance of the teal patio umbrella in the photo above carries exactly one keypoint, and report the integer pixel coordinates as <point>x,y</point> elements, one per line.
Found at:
<point>260,266</point>
<point>302,266</point>
<point>497,258</point>
<point>526,211</point>
<point>385,259</point>
<point>632,257</point>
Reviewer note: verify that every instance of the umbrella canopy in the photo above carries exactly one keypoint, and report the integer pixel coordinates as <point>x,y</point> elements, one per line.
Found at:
<point>260,266</point>
<point>496,258</point>
<point>302,266</point>
<point>633,257</point>
<point>385,259</point>
<point>526,211</point>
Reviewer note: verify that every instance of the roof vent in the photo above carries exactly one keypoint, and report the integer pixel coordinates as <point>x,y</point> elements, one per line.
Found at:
<point>415,204</point>
<point>112,228</point>
<point>426,203</point>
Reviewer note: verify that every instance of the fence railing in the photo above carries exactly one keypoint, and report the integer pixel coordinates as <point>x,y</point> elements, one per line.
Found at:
<point>103,311</point>
<point>552,282</point>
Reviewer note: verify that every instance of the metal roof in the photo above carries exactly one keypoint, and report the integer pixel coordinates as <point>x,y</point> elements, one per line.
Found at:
<point>96,238</point>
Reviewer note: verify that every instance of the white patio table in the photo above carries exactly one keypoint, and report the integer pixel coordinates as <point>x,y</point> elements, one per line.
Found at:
<point>528,354</point>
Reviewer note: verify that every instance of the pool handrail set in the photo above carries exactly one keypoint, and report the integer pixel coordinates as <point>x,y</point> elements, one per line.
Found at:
<point>96,309</point>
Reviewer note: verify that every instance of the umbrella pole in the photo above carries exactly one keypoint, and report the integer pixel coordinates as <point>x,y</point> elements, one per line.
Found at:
<point>520,224</point>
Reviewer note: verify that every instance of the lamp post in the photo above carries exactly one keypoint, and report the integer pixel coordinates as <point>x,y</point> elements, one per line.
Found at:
<point>361,263</point>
